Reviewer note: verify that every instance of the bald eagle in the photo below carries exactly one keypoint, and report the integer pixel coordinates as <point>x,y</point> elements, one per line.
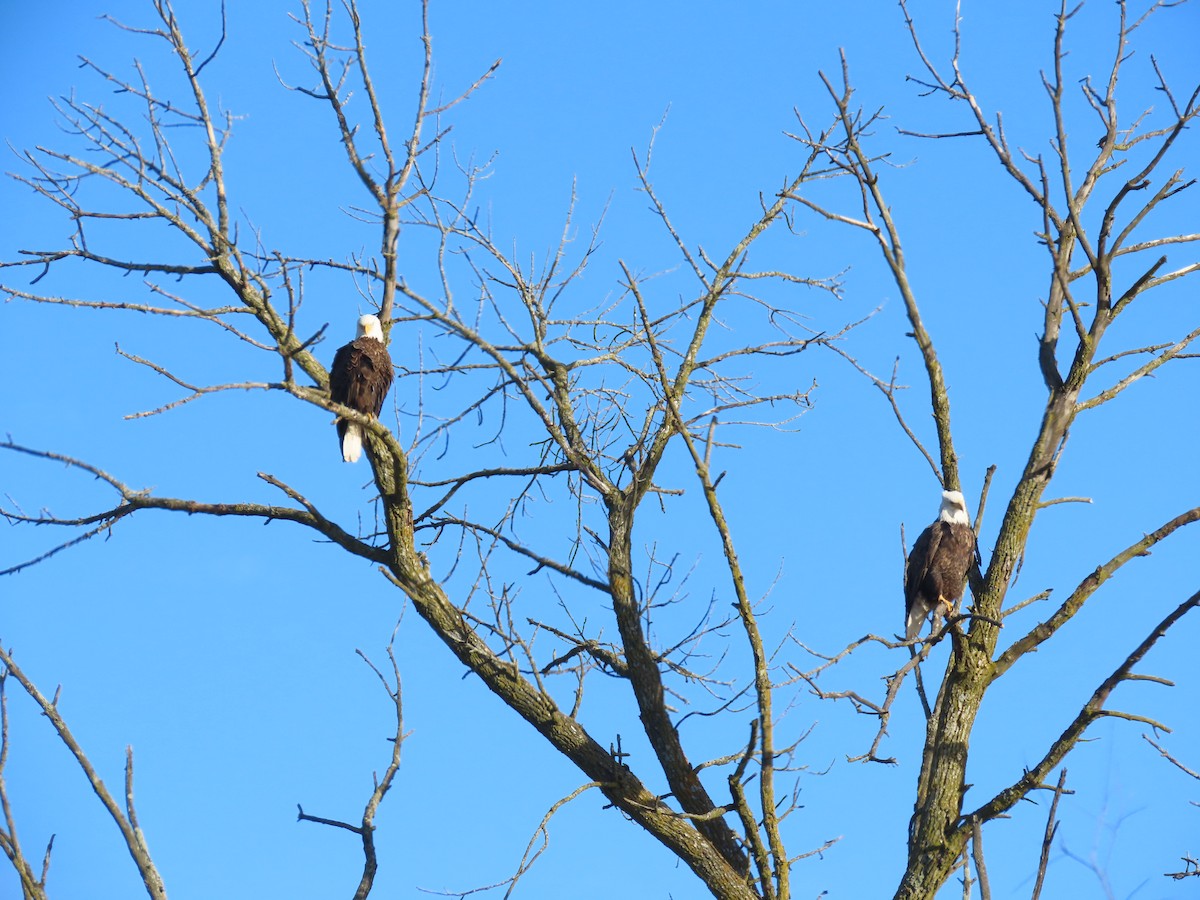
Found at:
<point>360,378</point>
<point>936,572</point>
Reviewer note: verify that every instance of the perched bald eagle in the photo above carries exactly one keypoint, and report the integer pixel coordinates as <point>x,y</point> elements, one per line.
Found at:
<point>936,572</point>
<point>360,378</point>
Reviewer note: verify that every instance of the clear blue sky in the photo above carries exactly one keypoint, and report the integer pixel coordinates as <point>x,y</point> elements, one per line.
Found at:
<point>223,651</point>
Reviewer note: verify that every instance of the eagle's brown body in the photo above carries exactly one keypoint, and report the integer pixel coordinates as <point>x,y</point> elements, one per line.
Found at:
<point>360,378</point>
<point>936,573</point>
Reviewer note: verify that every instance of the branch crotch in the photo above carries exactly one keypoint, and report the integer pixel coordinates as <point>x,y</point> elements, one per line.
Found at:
<point>646,680</point>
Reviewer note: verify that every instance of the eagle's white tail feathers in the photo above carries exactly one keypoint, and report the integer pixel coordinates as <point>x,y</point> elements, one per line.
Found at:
<point>920,612</point>
<point>916,618</point>
<point>352,442</point>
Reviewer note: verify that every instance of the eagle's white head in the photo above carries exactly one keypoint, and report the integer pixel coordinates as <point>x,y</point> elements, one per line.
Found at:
<point>368,326</point>
<point>954,508</point>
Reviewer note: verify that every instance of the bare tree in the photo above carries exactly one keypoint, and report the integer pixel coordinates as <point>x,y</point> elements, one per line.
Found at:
<point>622,410</point>
<point>1117,188</point>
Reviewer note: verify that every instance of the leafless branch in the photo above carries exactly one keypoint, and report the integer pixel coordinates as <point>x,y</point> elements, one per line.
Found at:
<point>1171,759</point>
<point>1092,710</point>
<point>132,501</point>
<point>1073,603</point>
<point>1048,839</point>
<point>366,827</point>
<point>126,820</point>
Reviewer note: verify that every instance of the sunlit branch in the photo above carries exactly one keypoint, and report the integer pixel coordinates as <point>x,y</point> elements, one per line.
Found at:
<point>889,390</point>
<point>858,164</point>
<point>1042,632</point>
<point>125,820</point>
<point>1051,831</point>
<point>1028,601</point>
<point>763,687</point>
<point>135,500</point>
<point>862,704</point>
<point>1171,759</point>
<point>366,829</point>
<point>32,887</point>
<point>1092,710</point>
<point>1166,355</point>
<point>537,845</point>
<point>17,294</point>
